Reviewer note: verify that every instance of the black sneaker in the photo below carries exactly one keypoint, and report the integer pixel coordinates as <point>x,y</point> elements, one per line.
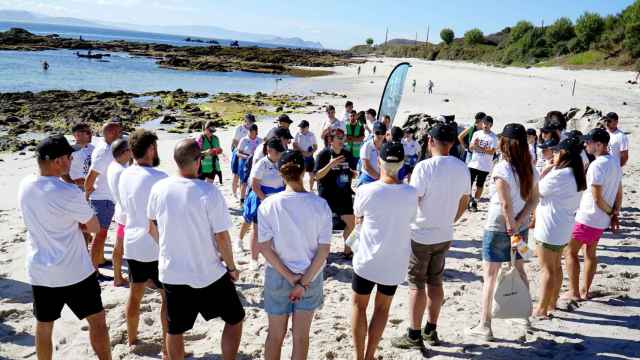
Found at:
<point>102,277</point>
<point>431,338</point>
<point>406,343</point>
<point>474,206</point>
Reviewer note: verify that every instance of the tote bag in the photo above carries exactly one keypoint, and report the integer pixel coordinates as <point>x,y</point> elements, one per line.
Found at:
<point>511,299</point>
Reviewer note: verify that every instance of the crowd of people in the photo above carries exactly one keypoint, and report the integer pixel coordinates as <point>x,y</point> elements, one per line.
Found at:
<point>400,200</point>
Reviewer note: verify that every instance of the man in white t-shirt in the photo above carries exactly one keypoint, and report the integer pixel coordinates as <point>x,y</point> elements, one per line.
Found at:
<point>384,247</point>
<point>96,189</point>
<point>348,108</point>
<point>284,122</point>
<point>483,146</point>
<point>195,279</point>
<point>618,142</point>
<point>331,123</point>
<point>442,184</point>
<point>599,209</point>
<point>305,142</point>
<point>121,158</point>
<point>81,157</point>
<point>58,267</point>
<point>140,249</point>
<point>240,132</point>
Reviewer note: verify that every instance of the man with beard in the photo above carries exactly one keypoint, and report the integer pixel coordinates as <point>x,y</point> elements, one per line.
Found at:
<point>140,249</point>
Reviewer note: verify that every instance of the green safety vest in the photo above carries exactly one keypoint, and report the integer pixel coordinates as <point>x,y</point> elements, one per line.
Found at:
<point>357,130</point>
<point>208,161</point>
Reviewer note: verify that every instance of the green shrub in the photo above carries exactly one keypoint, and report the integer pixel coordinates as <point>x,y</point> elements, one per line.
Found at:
<point>561,30</point>
<point>576,45</point>
<point>447,35</point>
<point>589,27</point>
<point>473,37</point>
<point>518,31</point>
<point>560,49</point>
<point>632,13</point>
<point>369,41</point>
<point>632,39</point>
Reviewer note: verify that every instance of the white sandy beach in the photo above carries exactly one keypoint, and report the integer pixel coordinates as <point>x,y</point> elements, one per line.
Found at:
<point>606,327</point>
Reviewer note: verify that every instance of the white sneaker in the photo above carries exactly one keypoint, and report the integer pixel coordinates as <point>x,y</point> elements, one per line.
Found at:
<point>254,265</point>
<point>482,331</point>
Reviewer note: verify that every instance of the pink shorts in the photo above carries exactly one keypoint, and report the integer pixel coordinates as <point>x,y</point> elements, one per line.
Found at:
<point>586,235</point>
<point>120,231</point>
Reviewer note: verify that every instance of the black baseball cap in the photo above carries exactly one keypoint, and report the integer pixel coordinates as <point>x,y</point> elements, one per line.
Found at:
<point>53,147</point>
<point>285,119</point>
<point>303,124</point>
<point>514,131</point>
<point>611,116</point>
<point>531,132</point>
<point>570,144</point>
<point>574,134</point>
<point>290,156</point>
<point>250,118</point>
<point>282,133</point>
<point>444,132</point>
<point>379,127</point>
<point>549,144</point>
<point>397,133</point>
<point>392,152</point>
<point>551,125</point>
<point>598,135</point>
<point>275,144</point>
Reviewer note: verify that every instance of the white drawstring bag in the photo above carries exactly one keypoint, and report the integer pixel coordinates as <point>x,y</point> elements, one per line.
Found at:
<point>354,238</point>
<point>511,298</point>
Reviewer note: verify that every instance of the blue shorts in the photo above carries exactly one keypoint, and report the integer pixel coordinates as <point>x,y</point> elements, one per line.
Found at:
<point>235,163</point>
<point>276,294</point>
<point>242,173</point>
<point>496,246</point>
<point>364,179</point>
<point>104,211</point>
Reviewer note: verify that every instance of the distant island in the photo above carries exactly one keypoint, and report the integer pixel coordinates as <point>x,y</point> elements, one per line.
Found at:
<point>594,41</point>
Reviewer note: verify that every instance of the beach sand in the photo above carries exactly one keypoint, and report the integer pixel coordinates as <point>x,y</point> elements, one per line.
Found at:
<point>608,326</point>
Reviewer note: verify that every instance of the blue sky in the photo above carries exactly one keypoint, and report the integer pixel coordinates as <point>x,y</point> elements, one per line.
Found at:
<point>335,23</point>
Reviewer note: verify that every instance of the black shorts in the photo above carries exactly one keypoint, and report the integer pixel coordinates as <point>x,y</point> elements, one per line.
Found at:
<point>341,203</point>
<point>219,299</point>
<point>478,176</point>
<point>362,286</point>
<point>140,272</point>
<point>82,298</point>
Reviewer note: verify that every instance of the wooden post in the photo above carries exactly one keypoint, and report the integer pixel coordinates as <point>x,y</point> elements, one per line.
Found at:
<point>573,91</point>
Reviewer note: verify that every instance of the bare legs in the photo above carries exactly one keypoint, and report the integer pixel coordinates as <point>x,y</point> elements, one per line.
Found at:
<point>421,300</point>
<point>489,276</point>
<point>118,251</point>
<point>98,334</point>
<point>376,326</point>
<point>97,247</point>
<point>136,291</point>
<point>230,343</point>
<point>550,281</point>
<point>350,224</point>
<point>301,324</point>
<point>577,292</point>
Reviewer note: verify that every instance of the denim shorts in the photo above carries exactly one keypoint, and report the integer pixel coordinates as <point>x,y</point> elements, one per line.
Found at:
<point>276,294</point>
<point>104,211</point>
<point>496,246</point>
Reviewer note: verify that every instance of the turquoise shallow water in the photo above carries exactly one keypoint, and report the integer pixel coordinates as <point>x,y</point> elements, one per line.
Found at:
<point>22,71</point>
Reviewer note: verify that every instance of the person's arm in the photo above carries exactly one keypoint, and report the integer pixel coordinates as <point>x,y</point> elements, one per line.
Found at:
<point>325,170</point>
<point>615,216</point>
<point>67,179</point>
<point>153,230</point>
<point>601,203</point>
<point>223,241</point>
<point>462,207</point>
<point>266,249</point>
<point>503,191</point>
<point>92,226</point>
<point>255,186</point>
<point>624,157</point>
<point>461,137</point>
<point>529,206</point>
<point>302,284</point>
<point>366,164</point>
<point>89,182</point>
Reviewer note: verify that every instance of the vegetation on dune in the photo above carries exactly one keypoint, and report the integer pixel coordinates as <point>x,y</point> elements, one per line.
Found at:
<point>592,41</point>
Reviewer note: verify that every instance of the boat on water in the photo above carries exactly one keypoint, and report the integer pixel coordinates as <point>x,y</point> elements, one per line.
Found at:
<point>89,55</point>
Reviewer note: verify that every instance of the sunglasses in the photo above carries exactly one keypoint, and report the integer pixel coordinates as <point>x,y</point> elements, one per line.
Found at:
<point>378,133</point>
<point>339,138</point>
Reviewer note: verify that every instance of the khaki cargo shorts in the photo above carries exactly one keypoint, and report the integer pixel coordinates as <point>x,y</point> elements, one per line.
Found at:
<point>426,264</point>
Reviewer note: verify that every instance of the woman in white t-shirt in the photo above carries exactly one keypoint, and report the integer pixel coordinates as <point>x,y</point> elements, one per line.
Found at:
<point>265,181</point>
<point>560,192</point>
<point>295,230</point>
<point>514,194</point>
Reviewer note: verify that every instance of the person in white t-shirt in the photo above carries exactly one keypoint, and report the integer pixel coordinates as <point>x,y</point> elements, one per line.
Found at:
<point>81,159</point>
<point>57,263</point>
<point>483,146</point>
<point>295,230</point>
<point>514,195</point>
<point>618,142</point>
<point>121,159</point>
<point>331,123</point>
<point>560,187</point>
<point>265,181</point>
<point>245,149</point>
<point>284,122</point>
<point>140,250</point>
<point>96,189</point>
<point>196,265</point>
<point>348,109</point>
<point>382,255</point>
<point>305,142</point>
<point>370,170</point>
<point>240,132</point>
<point>599,209</point>
<point>442,185</point>
<point>412,151</point>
